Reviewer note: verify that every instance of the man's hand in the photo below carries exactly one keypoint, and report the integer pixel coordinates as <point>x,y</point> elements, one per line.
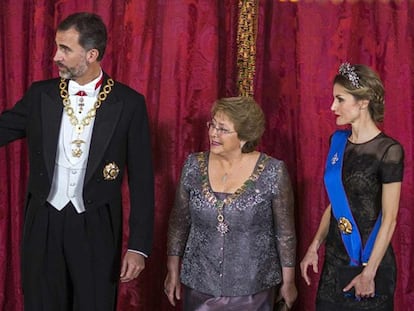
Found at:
<point>132,265</point>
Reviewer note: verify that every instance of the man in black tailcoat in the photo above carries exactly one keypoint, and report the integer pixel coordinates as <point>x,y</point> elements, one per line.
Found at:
<point>83,130</point>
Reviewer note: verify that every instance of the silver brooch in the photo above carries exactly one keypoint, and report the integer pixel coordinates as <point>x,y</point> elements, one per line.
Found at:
<point>334,159</point>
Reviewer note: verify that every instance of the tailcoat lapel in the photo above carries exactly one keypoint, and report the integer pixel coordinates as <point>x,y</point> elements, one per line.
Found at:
<point>51,116</point>
<point>106,119</point>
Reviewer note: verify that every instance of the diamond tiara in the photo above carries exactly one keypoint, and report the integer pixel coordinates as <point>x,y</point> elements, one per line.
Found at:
<point>348,72</point>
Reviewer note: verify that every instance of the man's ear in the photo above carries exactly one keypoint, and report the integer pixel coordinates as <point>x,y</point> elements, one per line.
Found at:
<point>92,55</point>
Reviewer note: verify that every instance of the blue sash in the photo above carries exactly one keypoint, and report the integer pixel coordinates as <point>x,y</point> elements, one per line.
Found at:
<point>340,206</point>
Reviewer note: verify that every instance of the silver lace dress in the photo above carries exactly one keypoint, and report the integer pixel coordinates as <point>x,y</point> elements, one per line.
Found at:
<point>261,237</point>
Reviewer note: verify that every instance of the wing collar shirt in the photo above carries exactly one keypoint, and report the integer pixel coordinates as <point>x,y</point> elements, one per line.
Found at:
<point>69,173</point>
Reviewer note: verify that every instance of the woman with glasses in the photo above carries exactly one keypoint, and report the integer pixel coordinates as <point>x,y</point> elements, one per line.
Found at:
<point>231,230</point>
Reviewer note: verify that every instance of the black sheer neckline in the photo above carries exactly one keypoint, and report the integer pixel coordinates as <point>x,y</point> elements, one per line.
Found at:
<point>368,141</point>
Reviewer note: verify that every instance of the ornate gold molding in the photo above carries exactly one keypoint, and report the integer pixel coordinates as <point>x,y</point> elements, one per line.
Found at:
<point>246,46</point>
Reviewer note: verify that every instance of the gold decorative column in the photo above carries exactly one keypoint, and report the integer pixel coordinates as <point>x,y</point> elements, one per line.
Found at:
<point>246,46</point>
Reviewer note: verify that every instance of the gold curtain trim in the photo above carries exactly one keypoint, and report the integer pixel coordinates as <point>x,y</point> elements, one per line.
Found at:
<point>246,46</point>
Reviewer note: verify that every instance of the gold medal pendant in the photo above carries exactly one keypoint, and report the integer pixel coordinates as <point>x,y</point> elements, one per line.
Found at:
<point>344,225</point>
<point>222,225</point>
<point>77,151</point>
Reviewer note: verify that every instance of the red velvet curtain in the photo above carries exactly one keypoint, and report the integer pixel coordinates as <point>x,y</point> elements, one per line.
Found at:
<point>182,55</point>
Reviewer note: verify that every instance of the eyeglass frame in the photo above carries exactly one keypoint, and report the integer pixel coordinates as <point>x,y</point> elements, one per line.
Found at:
<point>219,130</point>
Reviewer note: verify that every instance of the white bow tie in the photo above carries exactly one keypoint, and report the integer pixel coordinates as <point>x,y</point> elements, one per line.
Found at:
<point>88,89</point>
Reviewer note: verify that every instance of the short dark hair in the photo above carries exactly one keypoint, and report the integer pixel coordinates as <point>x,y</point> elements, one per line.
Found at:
<point>91,28</point>
<point>247,117</point>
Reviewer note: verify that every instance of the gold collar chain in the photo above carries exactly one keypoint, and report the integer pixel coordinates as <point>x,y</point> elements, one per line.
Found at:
<point>80,125</point>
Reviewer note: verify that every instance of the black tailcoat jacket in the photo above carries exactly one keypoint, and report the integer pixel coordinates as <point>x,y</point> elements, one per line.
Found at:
<point>120,135</point>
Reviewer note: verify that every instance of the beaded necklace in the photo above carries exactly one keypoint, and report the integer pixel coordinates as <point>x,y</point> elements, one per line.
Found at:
<point>222,225</point>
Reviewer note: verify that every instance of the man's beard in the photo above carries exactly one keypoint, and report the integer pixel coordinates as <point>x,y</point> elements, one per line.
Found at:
<point>71,73</point>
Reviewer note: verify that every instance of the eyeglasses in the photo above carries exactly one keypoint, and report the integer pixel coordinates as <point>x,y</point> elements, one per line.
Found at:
<point>219,130</point>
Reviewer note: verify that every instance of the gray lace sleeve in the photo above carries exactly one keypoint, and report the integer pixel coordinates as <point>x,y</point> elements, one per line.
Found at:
<point>180,220</point>
<point>283,214</point>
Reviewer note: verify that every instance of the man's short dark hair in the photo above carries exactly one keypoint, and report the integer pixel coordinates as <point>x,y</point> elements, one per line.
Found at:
<point>91,28</point>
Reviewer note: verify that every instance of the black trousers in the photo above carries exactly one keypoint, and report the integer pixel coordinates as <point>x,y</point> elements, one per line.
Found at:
<point>70,260</point>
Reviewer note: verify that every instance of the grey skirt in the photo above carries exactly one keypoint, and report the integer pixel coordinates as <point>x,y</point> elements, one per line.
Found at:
<point>197,301</point>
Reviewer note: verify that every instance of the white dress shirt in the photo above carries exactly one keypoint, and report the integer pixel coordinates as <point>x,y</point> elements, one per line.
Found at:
<point>69,173</point>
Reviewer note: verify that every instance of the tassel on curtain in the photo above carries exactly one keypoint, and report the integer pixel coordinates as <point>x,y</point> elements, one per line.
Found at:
<point>246,46</point>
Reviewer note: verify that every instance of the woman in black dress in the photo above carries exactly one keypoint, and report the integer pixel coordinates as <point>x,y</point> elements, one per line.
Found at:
<point>372,171</point>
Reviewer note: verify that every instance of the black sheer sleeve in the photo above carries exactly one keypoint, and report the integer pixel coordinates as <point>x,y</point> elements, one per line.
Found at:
<point>392,164</point>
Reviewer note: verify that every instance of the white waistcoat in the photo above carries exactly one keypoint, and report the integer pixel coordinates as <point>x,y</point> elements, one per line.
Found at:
<point>69,173</point>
